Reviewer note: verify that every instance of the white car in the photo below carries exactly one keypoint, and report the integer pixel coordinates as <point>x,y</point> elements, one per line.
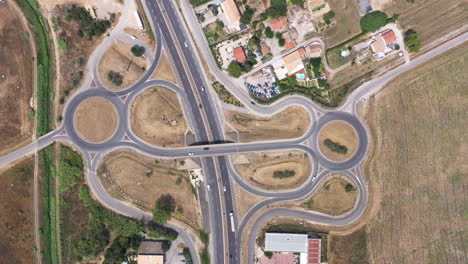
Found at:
<point>202,88</point>
<point>133,37</point>
<point>208,187</point>
<point>224,188</point>
<point>190,153</point>
<point>185,44</point>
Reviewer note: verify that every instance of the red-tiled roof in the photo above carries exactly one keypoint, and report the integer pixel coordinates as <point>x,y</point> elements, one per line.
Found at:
<point>389,37</point>
<point>314,250</point>
<point>265,49</point>
<point>289,42</point>
<point>302,53</point>
<point>240,55</point>
<point>278,23</point>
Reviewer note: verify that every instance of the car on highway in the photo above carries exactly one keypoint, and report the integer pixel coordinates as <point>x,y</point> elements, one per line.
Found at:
<point>206,148</point>
<point>190,153</point>
<point>208,187</point>
<point>202,88</point>
<point>224,187</point>
<point>185,44</point>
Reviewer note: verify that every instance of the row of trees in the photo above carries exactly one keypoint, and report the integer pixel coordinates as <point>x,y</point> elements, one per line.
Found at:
<point>89,26</point>
<point>284,174</point>
<point>335,147</point>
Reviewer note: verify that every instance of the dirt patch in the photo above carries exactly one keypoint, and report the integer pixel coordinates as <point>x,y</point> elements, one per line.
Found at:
<point>292,122</point>
<point>259,168</point>
<point>333,197</point>
<point>96,120</point>
<point>141,180</point>
<point>16,215</point>
<point>352,248</point>
<point>419,124</point>
<point>347,22</point>
<point>101,8</point>
<point>340,133</point>
<point>16,81</point>
<point>164,69</point>
<point>431,19</point>
<point>119,58</point>
<point>157,117</point>
<point>245,200</point>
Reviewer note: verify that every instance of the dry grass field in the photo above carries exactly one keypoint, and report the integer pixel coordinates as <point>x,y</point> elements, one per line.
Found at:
<point>141,180</point>
<point>292,122</point>
<point>164,70</point>
<point>341,133</point>
<point>258,168</point>
<point>350,248</point>
<point>330,197</point>
<point>16,81</point>
<point>16,215</point>
<point>430,18</point>
<point>157,117</point>
<point>120,59</point>
<point>419,125</point>
<point>96,120</point>
<point>244,200</point>
<point>347,22</point>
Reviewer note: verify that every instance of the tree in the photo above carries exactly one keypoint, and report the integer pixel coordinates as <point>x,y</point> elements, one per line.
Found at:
<point>246,17</point>
<point>138,51</point>
<point>163,209</point>
<point>349,187</point>
<point>281,42</point>
<point>234,69</point>
<point>298,2</point>
<point>412,40</point>
<point>277,8</point>
<point>204,237</point>
<point>327,17</point>
<point>166,245</point>
<point>372,21</point>
<point>268,254</point>
<point>115,77</point>
<point>269,33</point>
<point>292,80</point>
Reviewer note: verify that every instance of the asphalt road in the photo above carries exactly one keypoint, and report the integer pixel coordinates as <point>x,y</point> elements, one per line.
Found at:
<point>219,203</point>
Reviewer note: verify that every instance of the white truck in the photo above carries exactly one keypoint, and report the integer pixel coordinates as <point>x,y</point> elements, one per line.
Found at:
<point>231,216</point>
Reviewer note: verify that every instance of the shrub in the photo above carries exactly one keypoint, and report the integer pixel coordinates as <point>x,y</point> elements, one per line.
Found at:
<point>62,44</point>
<point>283,174</point>
<point>298,2</point>
<point>204,237</point>
<point>89,26</point>
<point>412,40</point>
<point>81,61</point>
<point>372,21</point>
<point>178,181</point>
<point>246,17</point>
<point>349,187</point>
<point>335,147</point>
<point>163,209</point>
<point>234,69</point>
<point>268,254</point>
<point>187,255</point>
<point>277,8</point>
<point>115,77</point>
<point>156,231</point>
<point>269,33</point>
<point>281,42</point>
<point>138,51</point>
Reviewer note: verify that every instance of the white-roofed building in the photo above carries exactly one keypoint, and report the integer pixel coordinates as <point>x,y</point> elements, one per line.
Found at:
<point>282,242</point>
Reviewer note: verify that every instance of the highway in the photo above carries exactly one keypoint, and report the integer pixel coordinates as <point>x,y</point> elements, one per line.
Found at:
<point>203,114</point>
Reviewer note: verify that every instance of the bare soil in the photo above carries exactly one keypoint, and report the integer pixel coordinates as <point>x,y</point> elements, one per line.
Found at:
<point>419,124</point>
<point>292,122</point>
<point>258,168</point>
<point>119,58</point>
<point>16,213</point>
<point>128,180</point>
<point>102,8</point>
<point>164,69</point>
<point>245,200</point>
<point>157,117</point>
<point>96,120</point>
<point>16,81</point>
<point>141,35</point>
<point>339,132</point>
<point>431,19</point>
<point>350,248</point>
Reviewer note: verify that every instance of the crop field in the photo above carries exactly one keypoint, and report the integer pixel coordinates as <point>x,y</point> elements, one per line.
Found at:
<point>419,123</point>
<point>16,81</point>
<point>431,19</point>
<point>16,215</point>
<point>292,122</point>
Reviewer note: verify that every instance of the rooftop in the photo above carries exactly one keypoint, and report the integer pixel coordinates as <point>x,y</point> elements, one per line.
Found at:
<point>150,248</point>
<point>150,259</point>
<point>289,41</point>
<point>240,55</point>
<point>231,11</point>
<point>379,45</point>
<point>293,62</point>
<point>283,242</point>
<point>278,23</point>
<point>389,37</point>
<point>315,247</point>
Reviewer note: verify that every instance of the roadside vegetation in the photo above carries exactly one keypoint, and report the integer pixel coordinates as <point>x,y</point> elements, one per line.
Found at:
<point>89,26</point>
<point>163,209</point>
<point>225,96</point>
<point>412,41</point>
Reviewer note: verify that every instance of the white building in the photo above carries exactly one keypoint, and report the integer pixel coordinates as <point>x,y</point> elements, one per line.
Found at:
<point>282,242</point>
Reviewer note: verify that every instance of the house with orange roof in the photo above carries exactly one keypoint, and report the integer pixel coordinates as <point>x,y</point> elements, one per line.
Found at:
<point>239,54</point>
<point>289,41</point>
<point>279,23</point>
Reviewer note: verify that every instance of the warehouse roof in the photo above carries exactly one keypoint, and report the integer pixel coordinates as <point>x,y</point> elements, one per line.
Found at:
<point>283,242</point>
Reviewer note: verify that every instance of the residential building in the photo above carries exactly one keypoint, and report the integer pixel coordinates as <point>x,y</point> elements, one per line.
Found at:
<point>378,46</point>
<point>232,14</point>
<point>293,63</point>
<point>289,41</point>
<point>239,54</point>
<point>279,23</point>
<point>383,43</point>
<point>389,37</point>
<point>265,49</point>
<point>150,252</point>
